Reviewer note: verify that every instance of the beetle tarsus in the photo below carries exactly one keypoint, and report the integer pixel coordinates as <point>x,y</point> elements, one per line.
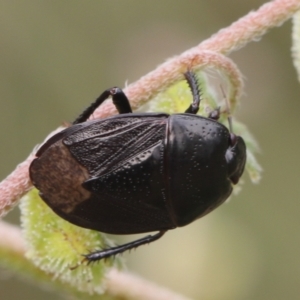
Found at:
<point>118,97</point>
<point>194,86</point>
<point>103,254</point>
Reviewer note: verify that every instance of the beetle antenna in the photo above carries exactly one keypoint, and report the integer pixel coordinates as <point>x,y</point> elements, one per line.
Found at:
<point>228,110</point>
<point>194,86</point>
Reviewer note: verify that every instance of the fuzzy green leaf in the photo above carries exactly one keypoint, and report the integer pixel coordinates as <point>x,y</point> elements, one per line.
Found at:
<point>57,246</point>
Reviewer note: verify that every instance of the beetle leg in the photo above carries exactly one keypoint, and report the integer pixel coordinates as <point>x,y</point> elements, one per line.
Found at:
<point>119,99</point>
<point>194,86</point>
<point>97,255</point>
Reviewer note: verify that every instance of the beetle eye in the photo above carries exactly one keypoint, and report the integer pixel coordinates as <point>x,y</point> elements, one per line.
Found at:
<point>232,139</point>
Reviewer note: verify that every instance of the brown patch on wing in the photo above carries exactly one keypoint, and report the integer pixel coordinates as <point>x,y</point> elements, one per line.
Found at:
<point>59,177</point>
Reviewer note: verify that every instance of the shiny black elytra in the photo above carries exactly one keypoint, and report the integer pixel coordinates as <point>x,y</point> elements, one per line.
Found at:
<point>135,173</point>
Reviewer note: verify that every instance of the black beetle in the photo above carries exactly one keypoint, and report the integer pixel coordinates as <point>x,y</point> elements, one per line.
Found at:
<point>135,173</point>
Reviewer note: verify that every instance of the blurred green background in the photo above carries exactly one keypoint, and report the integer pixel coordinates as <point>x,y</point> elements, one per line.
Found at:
<point>57,56</point>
